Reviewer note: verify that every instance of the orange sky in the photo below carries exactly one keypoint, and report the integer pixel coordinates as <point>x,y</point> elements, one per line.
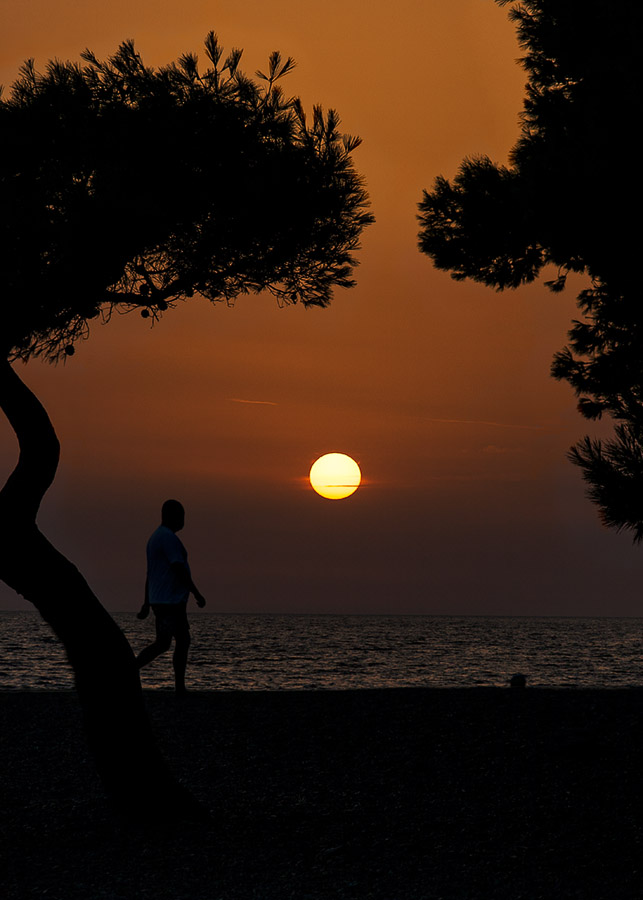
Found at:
<point>439,389</point>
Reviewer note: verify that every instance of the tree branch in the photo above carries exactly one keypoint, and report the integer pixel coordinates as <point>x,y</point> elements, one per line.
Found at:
<point>21,496</point>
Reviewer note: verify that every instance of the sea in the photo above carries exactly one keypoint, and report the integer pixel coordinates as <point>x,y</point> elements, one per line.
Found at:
<point>338,652</point>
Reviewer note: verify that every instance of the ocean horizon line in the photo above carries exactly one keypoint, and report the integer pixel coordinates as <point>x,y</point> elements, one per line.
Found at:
<point>358,614</point>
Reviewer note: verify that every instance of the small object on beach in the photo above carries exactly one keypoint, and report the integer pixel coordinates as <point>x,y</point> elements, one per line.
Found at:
<point>518,680</point>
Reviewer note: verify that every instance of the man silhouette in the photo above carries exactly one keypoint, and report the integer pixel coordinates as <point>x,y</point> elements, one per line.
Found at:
<point>167,588</point>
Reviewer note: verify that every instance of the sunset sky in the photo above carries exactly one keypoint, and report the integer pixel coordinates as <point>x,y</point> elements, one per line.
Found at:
<point>440,390</point>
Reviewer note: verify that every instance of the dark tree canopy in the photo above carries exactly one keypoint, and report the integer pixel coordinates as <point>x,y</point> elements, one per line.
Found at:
<point>127,186</point>
<point>568,198</point>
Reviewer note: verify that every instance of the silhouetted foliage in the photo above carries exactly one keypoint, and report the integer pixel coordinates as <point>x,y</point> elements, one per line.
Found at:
<point>614,471</point>
<point>124,187</point>
<point>131,187</point>
<point>569,198</point>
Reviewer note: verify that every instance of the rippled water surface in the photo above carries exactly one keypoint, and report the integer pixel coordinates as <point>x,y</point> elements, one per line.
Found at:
<point>272,652</point>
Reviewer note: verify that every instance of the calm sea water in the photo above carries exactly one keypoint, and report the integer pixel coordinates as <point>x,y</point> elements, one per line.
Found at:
<point>297,652</point>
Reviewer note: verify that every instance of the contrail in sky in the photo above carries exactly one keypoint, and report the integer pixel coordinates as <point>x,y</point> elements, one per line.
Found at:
<point>484,422</point>
<point>259,402</point>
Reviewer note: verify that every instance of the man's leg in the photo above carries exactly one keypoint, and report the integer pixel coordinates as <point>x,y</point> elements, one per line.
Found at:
<point>160,645</point>
<point>181,647</point>
<point>152,651</point>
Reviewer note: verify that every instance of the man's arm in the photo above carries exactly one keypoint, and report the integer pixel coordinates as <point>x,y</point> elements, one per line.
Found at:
<point>182,573</point>
<point>145,608</point>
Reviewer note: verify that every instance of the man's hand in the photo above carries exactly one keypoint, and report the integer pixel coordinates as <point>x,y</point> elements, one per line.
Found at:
<point>143,612</point>
<point>200,599</point>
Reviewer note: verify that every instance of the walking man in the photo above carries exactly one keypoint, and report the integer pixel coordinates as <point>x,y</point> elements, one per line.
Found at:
<point>167,588</point>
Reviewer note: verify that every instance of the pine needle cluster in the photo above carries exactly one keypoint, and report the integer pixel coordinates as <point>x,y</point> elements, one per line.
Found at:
<point>568,198</point>
<point>124,187</point>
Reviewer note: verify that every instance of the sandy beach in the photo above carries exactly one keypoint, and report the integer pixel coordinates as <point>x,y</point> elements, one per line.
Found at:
<point>419,794</point>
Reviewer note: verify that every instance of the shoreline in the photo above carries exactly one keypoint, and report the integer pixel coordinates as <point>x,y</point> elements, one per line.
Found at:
<point>396,793</point>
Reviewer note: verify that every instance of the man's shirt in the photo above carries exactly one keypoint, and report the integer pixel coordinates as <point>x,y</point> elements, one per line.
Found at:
<point>163,550</point>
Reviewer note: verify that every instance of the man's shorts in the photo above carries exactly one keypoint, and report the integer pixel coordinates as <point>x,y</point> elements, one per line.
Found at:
<point>171,621</point>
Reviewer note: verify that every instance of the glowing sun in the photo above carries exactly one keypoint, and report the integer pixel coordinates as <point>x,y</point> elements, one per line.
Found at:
<point>335,476</point>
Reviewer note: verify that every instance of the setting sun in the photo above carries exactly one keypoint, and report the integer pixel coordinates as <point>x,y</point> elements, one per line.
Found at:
<point>335,476</point>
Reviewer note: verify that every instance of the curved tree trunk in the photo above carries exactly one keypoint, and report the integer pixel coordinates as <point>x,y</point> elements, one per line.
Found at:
<point>133,772</point>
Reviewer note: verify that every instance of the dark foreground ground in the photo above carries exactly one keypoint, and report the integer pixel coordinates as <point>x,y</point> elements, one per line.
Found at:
<point>422,794</point>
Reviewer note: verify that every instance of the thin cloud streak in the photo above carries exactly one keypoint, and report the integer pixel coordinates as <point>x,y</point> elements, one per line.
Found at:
<point>484,422</point>
<point>254,402</point>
